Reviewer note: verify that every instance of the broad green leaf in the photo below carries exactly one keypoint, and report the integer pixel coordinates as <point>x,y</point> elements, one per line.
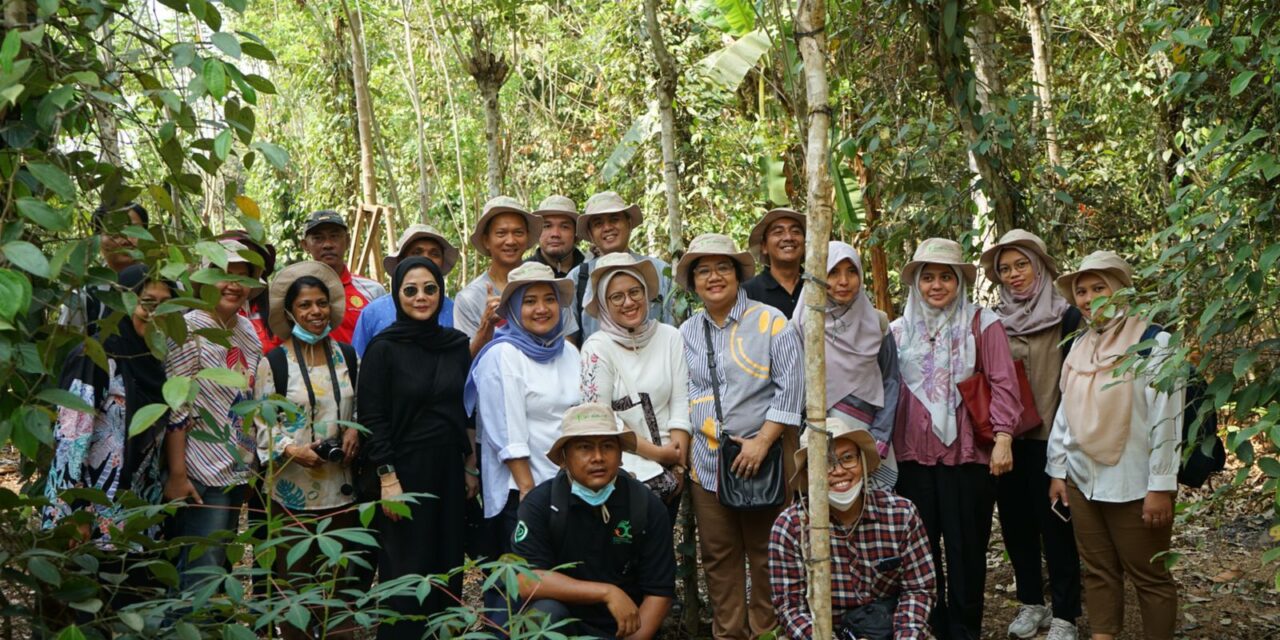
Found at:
<point>145,417</point>
<point>227,43</point>
<point>949,18</point>
<point>277,156</point>
<point>1241,82</point>
<point>64,398</point>
<point>184,54</point>
<point>215,78</point>
<point>15,294</point>
<point>73,632</point>
<point>131,619</point>
<point>237,632</point>
<point>44,571</point>
<point>92,605</point>
<point>42,214</point>
<point>255,50</point>
<point>177,391</point>
<point>222,144</point>
<point>1269,466</point>
<point>728,66</point>
<point>9,50</point>
<point>236,5</point>
<point>27,257</point>
<point>225,377</point>
<point>53,178</point>
<point>640,132</point>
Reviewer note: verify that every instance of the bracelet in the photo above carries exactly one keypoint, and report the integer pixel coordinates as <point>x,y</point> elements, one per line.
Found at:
<point>472,472</point>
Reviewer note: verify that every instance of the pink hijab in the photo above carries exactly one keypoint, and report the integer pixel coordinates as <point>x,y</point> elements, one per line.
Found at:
<point>1032,312</point>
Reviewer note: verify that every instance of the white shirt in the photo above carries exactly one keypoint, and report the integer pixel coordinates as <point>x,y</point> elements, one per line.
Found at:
<point>1151,456</point>
<point>518,411</point>
<point>611,372</point>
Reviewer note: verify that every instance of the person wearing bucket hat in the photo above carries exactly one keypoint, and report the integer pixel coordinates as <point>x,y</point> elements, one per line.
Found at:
<point>558,244</point>
<point>518,388</point>
<point>887,584</point>
<point>1115,452</point>
<point>755,398</point>
<point>84,310</point>
<point>417,240</point>
<point>257,309</point>
<point>777,241</point>
<point>944,339</point>
<point>1037,319</point>
<point>504,232</point>
<point>862,361</point>
<point>598,540</point>
<point>213,469</point>
<point>608,223</point>
<point>637,364</point>
<point>326,239</point>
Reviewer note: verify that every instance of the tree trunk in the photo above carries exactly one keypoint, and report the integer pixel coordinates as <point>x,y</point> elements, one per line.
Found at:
<point>879,262</point>
<point>810,23</point>
<point>108,126</point>
<point>666,110</point>
<point>364,108</point>
<point>411,83</point>
<point>1041,66</point>
<point>490,72</point>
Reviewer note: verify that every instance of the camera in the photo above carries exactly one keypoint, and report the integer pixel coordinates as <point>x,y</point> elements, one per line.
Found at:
<point>330,449</point>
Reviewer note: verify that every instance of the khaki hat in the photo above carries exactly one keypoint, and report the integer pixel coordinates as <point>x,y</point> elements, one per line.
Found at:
<point>938,251</point>
<point>1107,262</point>
<point>279,323</point>
<point>840,428</point>
<point>533,272</point>
<point>589,419</point>
<point>1017,239</point>
<point>613,262</point>
<point>497,206</point>
<point>604,203</point>
<point>755,242</point>
<point>711,244</point>
<point>557,206</point>
<point>235,253</point>
<point>417,232</point>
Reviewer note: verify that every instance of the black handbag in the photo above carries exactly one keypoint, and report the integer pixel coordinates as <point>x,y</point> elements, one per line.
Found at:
<point>765,490</point>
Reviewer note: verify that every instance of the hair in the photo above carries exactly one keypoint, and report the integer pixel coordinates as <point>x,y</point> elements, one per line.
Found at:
<point>103,213</point>
<point>295,289</point>
<point>737,268</point>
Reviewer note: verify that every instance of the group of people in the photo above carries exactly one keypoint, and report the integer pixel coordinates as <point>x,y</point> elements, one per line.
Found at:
<point>556,390</point>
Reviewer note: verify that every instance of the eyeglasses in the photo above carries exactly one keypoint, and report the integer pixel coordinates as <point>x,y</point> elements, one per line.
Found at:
<point>411,291</point>
<point>618,298</point>
<point>848,462</point>
<point>1019,266</point>
<point>703,272</point>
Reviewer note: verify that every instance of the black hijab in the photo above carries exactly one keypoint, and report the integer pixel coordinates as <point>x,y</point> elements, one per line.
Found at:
<point>428,333</point>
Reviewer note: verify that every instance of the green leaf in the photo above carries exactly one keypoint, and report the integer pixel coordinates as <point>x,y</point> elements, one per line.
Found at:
<point>728,66</point>
<point>225,377</point>
<point>227,43</point>
<point>145,417</point>
<point>949,18</point>
<point>64,398</point>
<point>177,391</point>
<point>27,257</point>
<point>184,54</point>
<point>15,294</point>
<point>255,50</point>
<point>44,571</point>
<point>42,214</point>
<point>9,50</point>
<point>222,144</point>
<point>1269,466</point>
<point>215,78</point>
<point>641,130</point>
<point>278,157</point>
<point>1241,82</point>
<point>1243,363</point>
<point>131,619</point>
<point>73,632</point>
<point>92,605</point>
<point>236,5</point>
<point>53,178</point>
<point>237,632</point>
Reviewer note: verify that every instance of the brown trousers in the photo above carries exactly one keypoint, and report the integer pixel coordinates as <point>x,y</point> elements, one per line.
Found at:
<point>727,538</point>
<point>1113,542</point>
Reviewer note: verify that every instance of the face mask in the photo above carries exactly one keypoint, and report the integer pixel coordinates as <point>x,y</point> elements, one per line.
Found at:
<point>307,336</point>
<point>593,498</point>
<point>842,500</point>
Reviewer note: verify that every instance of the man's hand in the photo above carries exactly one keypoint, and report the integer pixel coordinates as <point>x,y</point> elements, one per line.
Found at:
<point>1002,455</point>
<point>1157,509</point>
<point>180,487</point>
<point>624,611</point>
<point>747,464</point>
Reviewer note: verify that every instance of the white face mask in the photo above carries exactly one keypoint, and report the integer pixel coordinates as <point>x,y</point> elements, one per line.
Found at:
<point>842,500</point>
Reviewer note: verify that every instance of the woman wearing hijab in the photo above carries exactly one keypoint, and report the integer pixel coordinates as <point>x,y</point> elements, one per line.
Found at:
<point>1114,454</point>
<point>942,466</point>
<point>1037,319</point>
<point>410,400</point>
<point>637,364</point>
<point>862,366</point>
<point>94,450</point>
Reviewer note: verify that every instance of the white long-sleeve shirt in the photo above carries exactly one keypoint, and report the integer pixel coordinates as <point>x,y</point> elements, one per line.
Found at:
<point>1152,454</point>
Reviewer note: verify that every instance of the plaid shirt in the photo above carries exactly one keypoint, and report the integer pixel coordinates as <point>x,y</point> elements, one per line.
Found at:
<point>886,554</point>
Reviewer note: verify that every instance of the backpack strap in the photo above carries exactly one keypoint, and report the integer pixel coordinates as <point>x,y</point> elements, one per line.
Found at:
<point>353,362</point>
<point>279,361</point>
<point>559,509</point>
<point>1149,333</point>
<point>584,274</point>
<point>1070,324</point>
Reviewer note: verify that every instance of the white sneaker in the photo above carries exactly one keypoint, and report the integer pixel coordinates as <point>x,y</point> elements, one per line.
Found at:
<point>1060,629</point>
<point>1031,619</point>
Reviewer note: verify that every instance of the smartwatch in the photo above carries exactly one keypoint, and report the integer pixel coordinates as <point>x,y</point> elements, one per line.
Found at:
<point>385,469</point>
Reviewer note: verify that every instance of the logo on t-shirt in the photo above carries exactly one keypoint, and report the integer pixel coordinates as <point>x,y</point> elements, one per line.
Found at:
<point>522,531</point>
<point>622,533</point>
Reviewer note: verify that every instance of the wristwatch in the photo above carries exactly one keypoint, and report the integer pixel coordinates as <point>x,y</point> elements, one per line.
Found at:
<point>385,469</point>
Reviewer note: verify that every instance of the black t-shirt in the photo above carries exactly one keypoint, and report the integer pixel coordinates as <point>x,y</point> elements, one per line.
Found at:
<point>641,563</point>
<point>763,288</point>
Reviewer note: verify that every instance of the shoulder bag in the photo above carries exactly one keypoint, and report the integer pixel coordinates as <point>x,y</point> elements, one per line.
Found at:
<point>975,392</point>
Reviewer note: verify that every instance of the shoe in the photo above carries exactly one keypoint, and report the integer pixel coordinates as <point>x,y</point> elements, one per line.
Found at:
<point>1030,620</point>
<point>1060,629</point>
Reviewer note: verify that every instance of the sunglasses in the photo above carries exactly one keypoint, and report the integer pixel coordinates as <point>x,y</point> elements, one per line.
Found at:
<point>411,291</point>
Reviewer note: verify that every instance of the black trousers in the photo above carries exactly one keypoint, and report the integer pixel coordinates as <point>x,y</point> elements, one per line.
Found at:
<point>1022,498</point>
<point>956,504</point>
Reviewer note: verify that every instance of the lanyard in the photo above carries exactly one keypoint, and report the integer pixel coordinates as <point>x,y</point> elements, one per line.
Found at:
<point>306,379</point>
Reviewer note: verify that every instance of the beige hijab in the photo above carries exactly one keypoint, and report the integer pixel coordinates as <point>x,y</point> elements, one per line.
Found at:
<point>1098,403</point>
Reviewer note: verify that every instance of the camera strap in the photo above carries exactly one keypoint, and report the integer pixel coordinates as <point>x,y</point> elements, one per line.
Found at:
<point>306,380</point>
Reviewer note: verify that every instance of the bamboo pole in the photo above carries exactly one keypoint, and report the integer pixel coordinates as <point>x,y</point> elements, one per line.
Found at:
<point>810,23</point>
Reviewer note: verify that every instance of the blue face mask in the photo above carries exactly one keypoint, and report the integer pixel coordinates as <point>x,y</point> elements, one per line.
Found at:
<point>307,336</point>
<point>593,498</point>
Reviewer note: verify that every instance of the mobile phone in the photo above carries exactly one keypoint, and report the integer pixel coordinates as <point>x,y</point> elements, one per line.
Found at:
<point>1061,510</point>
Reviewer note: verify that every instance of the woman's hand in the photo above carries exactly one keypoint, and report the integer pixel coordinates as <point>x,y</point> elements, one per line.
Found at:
<point>350,445</point>
<point>304,455</point>
<point>390,489</point>
<point>180,487</point>
<point>1058,491</point>
<point>1157,509</point>
<point>747,464</point>
<point>670,454</point>
<point>472,481</point>
<point>1002,455</point>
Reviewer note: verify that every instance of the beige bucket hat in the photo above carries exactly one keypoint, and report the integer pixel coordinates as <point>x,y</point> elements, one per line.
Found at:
<point>1107,262</point>
<point>1017,239</point>
<point>417,232</point>
<point>499,205</point>
<point>842,429</point>
<point>589,419</point>
<point>280,323</point>
<point>938,251</point>
<point>711,244</point>
<point>604,203</point>
<point>557,205</point>
<point>611,262</point>
<point>533,272</point>
<point>756,240</point>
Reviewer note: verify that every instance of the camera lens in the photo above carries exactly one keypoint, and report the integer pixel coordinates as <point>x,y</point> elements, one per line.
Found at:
<point>347,489</point>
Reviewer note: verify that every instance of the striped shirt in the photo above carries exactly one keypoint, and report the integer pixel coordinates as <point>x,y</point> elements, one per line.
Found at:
<point>761,378</point>
<point>225,459</point>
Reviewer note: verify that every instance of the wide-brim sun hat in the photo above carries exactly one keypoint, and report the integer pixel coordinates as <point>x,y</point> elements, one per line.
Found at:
<point>417,232</point>
<point>755,242</point>
<point>939,251</point>
<point>711,244</point>
<point>280,324</point>
<point>841,429</point>
<point>533,273</point>
<point>586,420</point>
<point>605,203</point>
<point>1024,241</point>
<point>497,206</point>
<point>1099,261</point>
<point>611,262</point>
